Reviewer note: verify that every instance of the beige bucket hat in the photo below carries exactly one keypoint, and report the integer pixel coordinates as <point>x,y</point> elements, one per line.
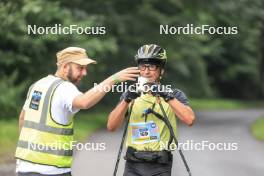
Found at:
<point>74,54</point>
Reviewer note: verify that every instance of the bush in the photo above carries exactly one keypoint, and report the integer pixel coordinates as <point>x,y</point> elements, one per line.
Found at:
<point>10,96</point>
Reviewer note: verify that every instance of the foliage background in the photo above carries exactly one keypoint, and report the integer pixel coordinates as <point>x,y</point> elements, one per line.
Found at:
<point>204,66</point>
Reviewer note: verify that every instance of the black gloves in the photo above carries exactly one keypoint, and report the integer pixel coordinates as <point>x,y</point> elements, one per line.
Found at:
<point>130,95</point>
<point>162,91</point>
<point>155,89</point>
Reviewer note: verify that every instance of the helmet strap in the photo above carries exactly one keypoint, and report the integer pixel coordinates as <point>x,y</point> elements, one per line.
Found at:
<point>161,73</point>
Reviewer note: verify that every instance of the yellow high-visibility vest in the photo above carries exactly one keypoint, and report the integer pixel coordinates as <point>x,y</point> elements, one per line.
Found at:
<point>150,134</point>
<point>42,140</point>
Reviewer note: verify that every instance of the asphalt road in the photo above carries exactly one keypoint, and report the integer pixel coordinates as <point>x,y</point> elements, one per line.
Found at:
<point>245,157</point>
<point>214,127</point>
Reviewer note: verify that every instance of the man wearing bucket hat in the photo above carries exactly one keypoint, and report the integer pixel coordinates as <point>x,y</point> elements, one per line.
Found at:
<point>46,120</point>
<point>151,118</point>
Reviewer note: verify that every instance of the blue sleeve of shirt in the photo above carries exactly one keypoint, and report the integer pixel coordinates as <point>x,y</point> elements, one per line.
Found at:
<point>180,96</point>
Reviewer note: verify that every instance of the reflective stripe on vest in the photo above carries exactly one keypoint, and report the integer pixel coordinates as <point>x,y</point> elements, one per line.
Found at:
<point>45,149</point>
<point>49,129</point>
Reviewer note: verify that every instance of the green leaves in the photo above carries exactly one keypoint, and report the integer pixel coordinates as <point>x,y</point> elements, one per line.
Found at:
<point>10,96</point>
<point>202,65</point>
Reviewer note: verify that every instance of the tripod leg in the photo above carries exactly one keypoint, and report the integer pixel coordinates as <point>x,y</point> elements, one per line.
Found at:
<point>175,139</point>
<point>122,142</point>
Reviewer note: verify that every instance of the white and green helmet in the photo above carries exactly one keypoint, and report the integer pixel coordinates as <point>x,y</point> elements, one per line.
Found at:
<point>151,53</point>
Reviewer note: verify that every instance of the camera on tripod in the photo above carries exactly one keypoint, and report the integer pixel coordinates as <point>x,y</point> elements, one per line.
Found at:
<point>144,85</point>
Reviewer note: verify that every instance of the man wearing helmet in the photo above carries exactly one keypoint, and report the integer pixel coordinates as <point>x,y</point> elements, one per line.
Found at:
<point>147,135</point>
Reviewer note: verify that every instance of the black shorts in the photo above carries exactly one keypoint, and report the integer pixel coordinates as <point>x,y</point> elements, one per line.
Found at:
<point>147,169</point>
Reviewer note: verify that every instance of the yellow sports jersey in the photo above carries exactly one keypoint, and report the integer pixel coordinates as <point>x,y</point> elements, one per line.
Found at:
<point>150,133</point>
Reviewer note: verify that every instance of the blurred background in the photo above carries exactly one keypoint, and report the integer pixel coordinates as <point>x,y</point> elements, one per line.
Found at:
<point>215,71</point>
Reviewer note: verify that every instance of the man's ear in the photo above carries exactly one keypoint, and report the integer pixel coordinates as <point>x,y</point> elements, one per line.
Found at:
<point>65,68</point>
<point>66,65</point>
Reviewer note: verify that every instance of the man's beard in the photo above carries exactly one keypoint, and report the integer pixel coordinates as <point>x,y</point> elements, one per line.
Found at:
<point>73,80</point>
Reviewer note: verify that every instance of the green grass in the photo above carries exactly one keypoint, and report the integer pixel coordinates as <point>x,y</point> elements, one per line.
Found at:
<point>224,104</point>
<point>9,136</point>
<point>85,124</point>
<point>257,129</point>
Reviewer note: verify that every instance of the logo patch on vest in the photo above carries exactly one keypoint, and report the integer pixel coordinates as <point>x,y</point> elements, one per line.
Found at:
<point>35,99</point>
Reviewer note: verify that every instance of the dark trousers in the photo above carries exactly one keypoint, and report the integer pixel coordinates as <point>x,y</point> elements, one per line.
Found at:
<point>147,169</point>
<point>38,174</point>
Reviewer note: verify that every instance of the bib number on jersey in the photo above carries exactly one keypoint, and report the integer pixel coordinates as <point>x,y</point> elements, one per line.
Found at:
<point>144,132</point>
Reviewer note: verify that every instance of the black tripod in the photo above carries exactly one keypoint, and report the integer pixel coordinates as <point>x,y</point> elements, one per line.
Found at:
<point>173,135</point>
<point>123,139</point>
<point>165,119</point>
